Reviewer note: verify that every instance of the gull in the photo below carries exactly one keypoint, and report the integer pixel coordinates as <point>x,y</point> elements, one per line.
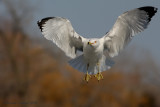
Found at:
<point>96,52</point>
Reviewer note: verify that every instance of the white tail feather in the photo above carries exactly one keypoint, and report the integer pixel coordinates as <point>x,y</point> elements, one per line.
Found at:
<point>81,65</point>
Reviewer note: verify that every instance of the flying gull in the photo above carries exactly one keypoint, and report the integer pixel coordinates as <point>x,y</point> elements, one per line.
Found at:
<point>96,51</point>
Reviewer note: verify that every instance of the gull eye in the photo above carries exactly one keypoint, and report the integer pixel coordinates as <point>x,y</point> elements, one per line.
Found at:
<point>88,43</point>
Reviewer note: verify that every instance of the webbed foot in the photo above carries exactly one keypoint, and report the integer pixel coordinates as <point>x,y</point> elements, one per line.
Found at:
<point>99,76</point>
<point>87,77</point>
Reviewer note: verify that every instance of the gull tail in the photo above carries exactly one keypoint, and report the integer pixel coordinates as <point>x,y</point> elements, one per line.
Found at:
<point>81,65</point>
<point>106,63</point>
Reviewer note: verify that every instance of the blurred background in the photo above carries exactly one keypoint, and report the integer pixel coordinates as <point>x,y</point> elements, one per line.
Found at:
<point>34,72</point>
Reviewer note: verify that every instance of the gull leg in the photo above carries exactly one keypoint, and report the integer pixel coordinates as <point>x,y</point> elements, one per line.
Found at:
<point>87,76</point>
<point>99,75</point>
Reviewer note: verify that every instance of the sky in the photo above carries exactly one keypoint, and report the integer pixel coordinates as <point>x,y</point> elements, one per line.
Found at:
<point>93,18</point>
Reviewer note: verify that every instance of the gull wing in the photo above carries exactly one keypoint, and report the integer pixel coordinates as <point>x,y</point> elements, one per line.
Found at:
<point>60,31</point>
<point>126,27</point>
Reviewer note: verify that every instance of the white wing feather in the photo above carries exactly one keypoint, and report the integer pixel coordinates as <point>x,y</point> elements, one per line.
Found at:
<point>126,26</point>
<point>60,31</point>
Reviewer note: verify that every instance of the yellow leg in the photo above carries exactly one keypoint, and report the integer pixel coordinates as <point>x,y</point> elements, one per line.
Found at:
<point>87,76</point>
<point>99,75</point>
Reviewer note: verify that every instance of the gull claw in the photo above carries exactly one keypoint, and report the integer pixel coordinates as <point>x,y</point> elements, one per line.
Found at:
<point>99,76</point>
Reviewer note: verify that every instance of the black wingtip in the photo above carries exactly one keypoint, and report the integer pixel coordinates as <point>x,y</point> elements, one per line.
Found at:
<point>149,10</point>
<point>43,21</point>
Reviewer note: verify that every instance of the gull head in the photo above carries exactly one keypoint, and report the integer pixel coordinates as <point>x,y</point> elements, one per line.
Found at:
<point>93,43</point>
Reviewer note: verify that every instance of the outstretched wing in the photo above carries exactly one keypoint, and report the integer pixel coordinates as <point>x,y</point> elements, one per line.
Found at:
<point>127,25</point>
<point>60,31</point>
